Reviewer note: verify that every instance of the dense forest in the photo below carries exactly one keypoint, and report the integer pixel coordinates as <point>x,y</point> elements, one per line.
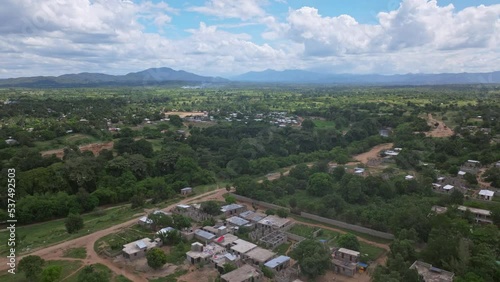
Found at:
<point>243,137</point>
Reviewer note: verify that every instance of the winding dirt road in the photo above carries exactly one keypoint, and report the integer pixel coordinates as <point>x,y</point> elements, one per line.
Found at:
<point>55,252</point>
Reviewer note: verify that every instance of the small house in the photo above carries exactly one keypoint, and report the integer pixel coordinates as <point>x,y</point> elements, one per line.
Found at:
<point>11,141</point>
<point>486,195</point>
<point>259,256</point>
<point>409,177</point>
<point>226,240</point>
<point>252,216</point>
<point>448,188</point>
<point>232,209</point>
<point>138,248</point>
<point>186,191</point>
<point>272,222</point>
<point>246,273</point>
<point>345,261</point>
<point>278,264</point>
<point>240,247</point>
<point>200,253</point>
<point>203,236</point>
<point>480,215</point>
<point>236,221</point>
<point>429,273</point>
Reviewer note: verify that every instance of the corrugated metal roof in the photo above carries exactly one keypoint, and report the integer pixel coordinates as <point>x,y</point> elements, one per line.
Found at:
<point>277,261</point>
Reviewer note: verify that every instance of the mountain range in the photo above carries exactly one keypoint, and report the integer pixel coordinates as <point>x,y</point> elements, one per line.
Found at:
<point>168,76</point>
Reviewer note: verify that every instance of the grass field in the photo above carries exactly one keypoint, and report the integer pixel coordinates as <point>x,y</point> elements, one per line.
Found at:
<point>323,123</point>
<point>47,233</point>
<point>97,267</point>
<point>281,250</point>
<point>80,253</point>
<point>171,277</point>
<point>114,242</point>
<point>68,267</point>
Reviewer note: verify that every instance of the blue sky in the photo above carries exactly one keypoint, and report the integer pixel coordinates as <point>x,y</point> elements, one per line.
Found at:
<point>228,37</point>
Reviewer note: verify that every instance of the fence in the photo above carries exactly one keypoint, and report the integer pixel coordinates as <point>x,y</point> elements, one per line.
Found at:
<point>259,203</point>
<point>348,226</point>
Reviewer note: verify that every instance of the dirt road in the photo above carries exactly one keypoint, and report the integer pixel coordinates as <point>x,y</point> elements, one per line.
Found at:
<point>373,153</point>
<point>440,131</point>
<point>55,252</point>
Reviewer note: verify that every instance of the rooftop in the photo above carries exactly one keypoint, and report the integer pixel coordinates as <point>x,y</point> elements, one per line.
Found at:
<point>230,207</point>
<point>462,172</point>
<point>488,193</point>
<point>277,261</point>
<point>253,216</point>
<point>261,255</point>
<point>274,221</point>
<point>475,211</point>
<point>432,274</point>
<point>448,187</point>
<point>349,252</point>
<point>242,246</point>
<point>208,251</point>
<point>226,239</point>
<point>165,230</point>
<point>204,234</point>
<point>241,274</point>
<point>182,206</point>
<point>187,189</point>
<point>238,221</point>
<point>138,245</point>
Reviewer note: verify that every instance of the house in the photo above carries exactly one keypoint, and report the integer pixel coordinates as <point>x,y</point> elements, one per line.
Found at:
<point>221,259</point>
<point>246,273</point>
<point>226,240</point>
<point>240,247</point>
<point>345,261</point>
<point>359,171</point>
<point>232,209</point>
<point>409,177</point>
<point>461,173</point>
<point>186,190</point>
<point>203,235</point>
<point>165,230</point>
<point>138,248</point>
<point>486,195</point>
<point>259,256</point>
<point>272,222</point>
<point>428,273</point>
<point>278,264</point>
<point>252,216</point>
<point>471,166</point>
<point>11,141</point>
<point>447,188</point>
<point>146,222</point>
<point>200,253</point>
<point>236,222</point>
<point>480,215</point>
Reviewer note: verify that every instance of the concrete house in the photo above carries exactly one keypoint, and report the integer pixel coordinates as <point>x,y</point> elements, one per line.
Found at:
<point>259,256</point>
<point>246,273</point>
<point>146,222</point>
<point>480,215</point>
<point>486,195</point>
<point>186,191</point>
<point>272,222</point>
<point>240,247</point>
<point>203,236</point>
<point>139,248</point>
<point>252,216</point>
<point>235,222</point>
<point>345,261</point>
<point>200,253</point>
<point>278,264</point>
<point>226,240</point>
<point>428,273</point>
<point>232,209</point>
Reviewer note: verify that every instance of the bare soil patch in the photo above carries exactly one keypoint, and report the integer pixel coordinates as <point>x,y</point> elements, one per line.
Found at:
<point>373,153</point>
<point>95,148</point>
<point>439,131</point>
<point>184,114</point>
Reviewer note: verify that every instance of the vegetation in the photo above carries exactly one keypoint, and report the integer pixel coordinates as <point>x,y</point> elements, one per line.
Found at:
<point>73,223</point>
<point>313,257</point>
<point>80,253</point>
<point>31,266</point>
<point>348,241</point>
<point>156,258</point>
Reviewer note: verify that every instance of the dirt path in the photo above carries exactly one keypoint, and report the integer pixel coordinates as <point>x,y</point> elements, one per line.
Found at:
<point>95,148</point>
<point>440,131</point>
<point>373,153</point>
<point>480,180</point>
<point>56,251</point>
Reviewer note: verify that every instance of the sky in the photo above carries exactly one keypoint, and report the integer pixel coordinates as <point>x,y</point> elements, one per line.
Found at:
<point>229,37</point>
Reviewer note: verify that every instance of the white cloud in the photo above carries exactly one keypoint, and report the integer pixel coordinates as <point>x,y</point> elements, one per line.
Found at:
<point>244,10</point>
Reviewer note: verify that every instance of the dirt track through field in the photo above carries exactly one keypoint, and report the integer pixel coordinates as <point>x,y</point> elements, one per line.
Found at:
<point>373,153</point>
<point>440,131</point>
<point>55,252</point>
<point>95,148</point>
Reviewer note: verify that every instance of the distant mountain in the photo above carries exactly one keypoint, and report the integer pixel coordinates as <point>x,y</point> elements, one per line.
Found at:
<point>153,76</point>
<point>301,76</point>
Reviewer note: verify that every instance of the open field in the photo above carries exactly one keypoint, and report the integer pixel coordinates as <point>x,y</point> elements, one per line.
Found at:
<point>439,131</point>
<point>184,114</point>
<point>373,153</point>
<point>69,267</point>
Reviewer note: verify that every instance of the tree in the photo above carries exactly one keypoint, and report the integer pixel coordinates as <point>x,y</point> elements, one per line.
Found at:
<point>320,184</point>
<point>90,274</point>
<point>51,273</point>
<point>31,266</point>
<point>348,241</point>
<point>181,222</point>
<point>230,199</point>
<point>283,213</point>
<point>156,258</point>
<point>313,257</point>
<point>137,201</point>
<point>170,238</point>
<point>228,267</point>
<point>308,125</point>
<point>456,197</point>
<point>210,207</point>
<point>175,120</point>
<point>73,223</point>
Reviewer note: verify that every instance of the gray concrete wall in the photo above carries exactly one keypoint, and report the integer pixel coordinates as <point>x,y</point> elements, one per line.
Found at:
<point>260,203</point>
<point>348,226</point>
